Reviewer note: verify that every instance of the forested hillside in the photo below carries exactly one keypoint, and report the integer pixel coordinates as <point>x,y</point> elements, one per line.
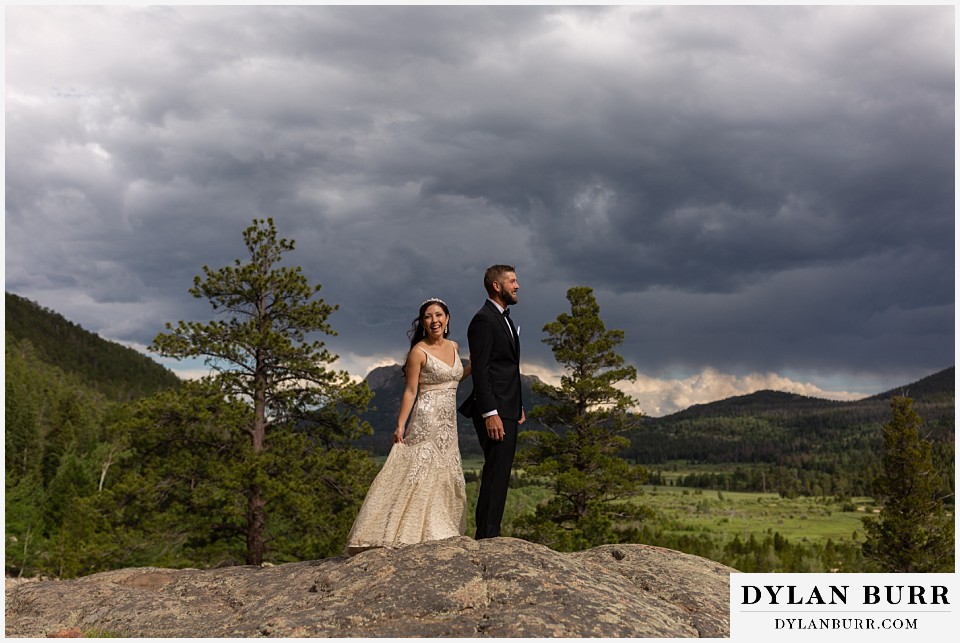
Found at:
<point>65,389</point>
<point>118,372</point>
<point>797,445</point>
<point>56,448</point>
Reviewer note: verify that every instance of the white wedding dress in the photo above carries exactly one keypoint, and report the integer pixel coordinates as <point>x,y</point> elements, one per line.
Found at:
<point>419,493</point>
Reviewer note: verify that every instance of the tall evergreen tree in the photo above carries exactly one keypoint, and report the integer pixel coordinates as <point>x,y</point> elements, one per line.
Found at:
<point>261,354</point>
<point>913,532</point>
<point>177,496</point>
<point>587,419</point>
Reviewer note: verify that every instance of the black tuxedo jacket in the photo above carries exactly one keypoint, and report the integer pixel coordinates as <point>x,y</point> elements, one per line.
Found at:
<point>495,363</point>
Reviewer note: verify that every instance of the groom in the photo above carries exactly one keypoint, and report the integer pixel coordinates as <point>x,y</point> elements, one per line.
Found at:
<point>495,403</point>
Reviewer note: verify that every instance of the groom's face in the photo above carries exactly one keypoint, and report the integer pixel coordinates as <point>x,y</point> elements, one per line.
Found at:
<point>508,288</point>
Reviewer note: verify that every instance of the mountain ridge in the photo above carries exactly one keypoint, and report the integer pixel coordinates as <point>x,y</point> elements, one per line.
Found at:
<point>935,399</point>
<point>934,387</point>
<point>930,387</point>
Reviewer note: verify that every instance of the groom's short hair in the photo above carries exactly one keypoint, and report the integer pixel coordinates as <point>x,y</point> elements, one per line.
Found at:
<point>495,273</point>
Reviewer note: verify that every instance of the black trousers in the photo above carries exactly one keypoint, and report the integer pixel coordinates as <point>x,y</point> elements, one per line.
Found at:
<point>495,478</point>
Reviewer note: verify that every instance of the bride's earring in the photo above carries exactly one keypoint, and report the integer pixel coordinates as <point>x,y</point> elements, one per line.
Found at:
<point>446,330</point>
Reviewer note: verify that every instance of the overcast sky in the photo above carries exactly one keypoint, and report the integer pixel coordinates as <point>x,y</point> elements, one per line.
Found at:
<point>760,197</point>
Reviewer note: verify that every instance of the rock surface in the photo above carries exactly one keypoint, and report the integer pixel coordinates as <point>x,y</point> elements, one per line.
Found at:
<point>458,587</point>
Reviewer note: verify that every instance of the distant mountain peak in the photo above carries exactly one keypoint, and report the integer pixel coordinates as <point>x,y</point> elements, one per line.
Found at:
<point>382,375</point>
<point>762,400</point>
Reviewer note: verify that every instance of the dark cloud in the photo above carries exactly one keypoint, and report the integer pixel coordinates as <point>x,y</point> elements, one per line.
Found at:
<point>749,189</point>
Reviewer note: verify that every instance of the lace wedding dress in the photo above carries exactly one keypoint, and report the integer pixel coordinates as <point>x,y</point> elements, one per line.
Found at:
<point>419,493</point>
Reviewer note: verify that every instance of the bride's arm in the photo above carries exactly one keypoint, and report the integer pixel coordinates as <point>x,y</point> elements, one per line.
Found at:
<point>415,361</point>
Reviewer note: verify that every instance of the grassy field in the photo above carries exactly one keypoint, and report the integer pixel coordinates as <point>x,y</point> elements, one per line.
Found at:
<point>730,514</point>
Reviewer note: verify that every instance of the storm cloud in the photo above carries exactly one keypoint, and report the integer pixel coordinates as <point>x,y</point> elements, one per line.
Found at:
<point>759,195</point>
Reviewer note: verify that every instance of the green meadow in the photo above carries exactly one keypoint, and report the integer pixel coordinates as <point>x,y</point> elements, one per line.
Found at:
<point>729,514</point>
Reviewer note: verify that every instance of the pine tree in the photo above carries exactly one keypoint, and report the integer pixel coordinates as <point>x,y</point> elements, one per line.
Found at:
<point>913,532</point>
<point>22,430</point>
<point>73,521</point>
<point>587,419</point>
<point>24,524</point>
<point>178,495</point>
<point>261,355</point>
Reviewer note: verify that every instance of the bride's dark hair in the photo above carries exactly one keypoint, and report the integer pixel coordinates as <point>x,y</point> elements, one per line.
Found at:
<point>417,331</point>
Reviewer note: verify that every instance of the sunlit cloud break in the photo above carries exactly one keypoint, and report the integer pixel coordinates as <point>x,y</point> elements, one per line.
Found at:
<point>658,397</point>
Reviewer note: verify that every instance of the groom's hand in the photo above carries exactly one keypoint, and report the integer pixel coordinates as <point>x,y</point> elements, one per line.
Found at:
<point>494,427</point>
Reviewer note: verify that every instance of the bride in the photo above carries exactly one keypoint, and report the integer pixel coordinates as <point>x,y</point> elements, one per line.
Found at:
<point>419,493</point>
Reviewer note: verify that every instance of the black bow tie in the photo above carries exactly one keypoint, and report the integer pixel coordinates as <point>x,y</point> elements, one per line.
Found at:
<point>506,312</point>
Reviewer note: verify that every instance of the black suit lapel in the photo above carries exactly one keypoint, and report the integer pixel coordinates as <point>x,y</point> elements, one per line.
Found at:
<point>514,335</point>
<point>505,325</point>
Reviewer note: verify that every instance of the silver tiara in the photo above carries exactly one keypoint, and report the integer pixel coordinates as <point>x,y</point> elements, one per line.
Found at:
<point>436,299</point>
